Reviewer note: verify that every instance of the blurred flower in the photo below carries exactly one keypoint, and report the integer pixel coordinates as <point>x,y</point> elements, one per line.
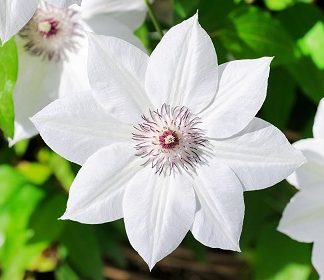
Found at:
<point>14,14</point>
<point>168,142</point>
<point>53,50</point>
<point>303,219</point>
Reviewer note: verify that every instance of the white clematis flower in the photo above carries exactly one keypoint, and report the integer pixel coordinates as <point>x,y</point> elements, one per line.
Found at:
<point>303,219</point>
<point>168,142</point>
<point>53,49</point>
<point>14,14</point>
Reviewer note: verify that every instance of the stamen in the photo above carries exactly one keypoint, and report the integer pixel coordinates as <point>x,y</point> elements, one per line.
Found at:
<point>170,140</point>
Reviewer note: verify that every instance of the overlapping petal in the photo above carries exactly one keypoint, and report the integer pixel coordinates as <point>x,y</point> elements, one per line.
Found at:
<point>158,212</point>
<point>241,92</point>
<point>182,70</point>
<point>14,14</point>
<point>303,218</point>
<point>219,217</point>
<point>130,13</point>
<point>318,127</point>
<point>105,24</point>
<point>97,192</point>
<point>35,88</point>
<point>311,173</point>
<point>74,73</point>
<point>260,155</point>
<point>116,73</point>
<point>77,126</point>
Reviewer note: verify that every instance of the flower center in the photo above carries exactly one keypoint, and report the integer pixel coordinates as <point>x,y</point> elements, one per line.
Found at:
<point>52,32</point>
<point>170,140</point>
<point>48,27</point>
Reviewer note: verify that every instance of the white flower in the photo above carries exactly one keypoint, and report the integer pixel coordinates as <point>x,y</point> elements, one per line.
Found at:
<point>14,14</point>
<point>185,163</point>
<point>303,219</point>
<point>53,49</point>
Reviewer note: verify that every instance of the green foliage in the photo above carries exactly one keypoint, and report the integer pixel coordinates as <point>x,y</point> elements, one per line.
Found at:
<point>8,76</point>
<point>280,258</point>
<point>83,256</point>
<point>18,200</point>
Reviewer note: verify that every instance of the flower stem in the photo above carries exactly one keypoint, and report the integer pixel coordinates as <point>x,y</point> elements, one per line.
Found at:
<point>153,18</point>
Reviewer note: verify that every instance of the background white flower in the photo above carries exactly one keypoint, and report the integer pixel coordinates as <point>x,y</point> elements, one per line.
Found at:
<point>185,163</point>
<point>53,49</point>
<point>303,219</point>
<point>14,14</point>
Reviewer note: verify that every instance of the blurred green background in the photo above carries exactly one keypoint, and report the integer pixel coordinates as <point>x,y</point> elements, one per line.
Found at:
<point>34,181</point>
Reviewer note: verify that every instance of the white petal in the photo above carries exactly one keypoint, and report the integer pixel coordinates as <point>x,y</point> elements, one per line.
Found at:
<point>311,173</point>
<point>74,72</point>
<point>303,218</point>
<point>14,14</point>
<point>260,155</point>
<point>318,128</point>
<point>64,3</point>
<point>131,13</point>
<point>318,257</point>
<point>104,24</point>
<point>76,127</point>
<point>158,213</point>
<point>36,86</point>
<point>241,92</point>
<point>116,73</point>
<point>182,69</point>
<point>97,192</point>
<point>219,217</point>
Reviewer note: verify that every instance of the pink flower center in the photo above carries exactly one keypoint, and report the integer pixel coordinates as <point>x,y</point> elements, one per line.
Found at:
<point>48,27</point>
<point>169,139</point>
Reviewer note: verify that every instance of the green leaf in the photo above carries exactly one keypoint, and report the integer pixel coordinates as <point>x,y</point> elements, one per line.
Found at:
<point>299,19</point>
<point>280,258</point>
<point>8,77</point>
<point>60,167</point>
<point>44,222</point>
<point>312,44</point>
<point>252,32</point>
<point>280,98</point>
<point>278,5</point>
<point>185,8</point>
<point>35,172</point>
<point>18,200</point>
<point>213,14</point>
<point>308,77</point>
<point>65,272</point>
<point>83,250</point>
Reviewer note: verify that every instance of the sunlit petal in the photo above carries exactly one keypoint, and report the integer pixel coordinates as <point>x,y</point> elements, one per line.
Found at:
<point>97,192</point>
<point>158,213</point>
<point>182,70</point>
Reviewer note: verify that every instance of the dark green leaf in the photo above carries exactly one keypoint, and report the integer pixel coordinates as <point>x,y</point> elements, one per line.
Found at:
<point>308,77</point>
<point>45,223</point>
<point>83,250</point>
<point>280,98</point>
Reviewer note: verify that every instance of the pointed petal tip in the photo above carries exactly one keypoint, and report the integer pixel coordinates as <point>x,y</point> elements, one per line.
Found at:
<point>267,59</point>
<point>64,217</point>
<point>151,266</point>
